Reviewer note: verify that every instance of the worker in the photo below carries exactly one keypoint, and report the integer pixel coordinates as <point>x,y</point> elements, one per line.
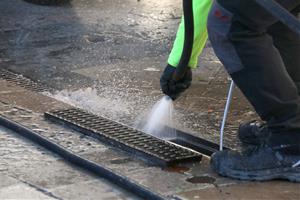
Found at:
<point>262,57</point>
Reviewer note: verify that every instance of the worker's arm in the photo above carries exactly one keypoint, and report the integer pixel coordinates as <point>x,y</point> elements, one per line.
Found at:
<point>173,88</point>
<point>201,9</point>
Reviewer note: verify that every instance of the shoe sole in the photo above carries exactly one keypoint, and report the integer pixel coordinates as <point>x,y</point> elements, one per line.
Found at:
<point>247,142</point>
<point>291,174</point>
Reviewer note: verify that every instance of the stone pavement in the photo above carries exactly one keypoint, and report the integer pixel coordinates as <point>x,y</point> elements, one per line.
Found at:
<point>106,57</point>
<point>28,171</point>
<point>111,63</point>
<point>50,176</point>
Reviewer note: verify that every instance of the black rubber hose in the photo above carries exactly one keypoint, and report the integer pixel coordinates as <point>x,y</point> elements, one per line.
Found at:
<point>188,39</point>
<point>281,14</point>
<point>81,162</point>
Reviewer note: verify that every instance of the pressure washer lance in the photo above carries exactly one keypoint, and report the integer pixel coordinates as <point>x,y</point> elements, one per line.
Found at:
<point>297,164</point>
<point>229,97</point>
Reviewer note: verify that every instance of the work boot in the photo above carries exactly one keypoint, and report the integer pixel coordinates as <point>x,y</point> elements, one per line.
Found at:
<point>253,133</point>
<point>259,163</point>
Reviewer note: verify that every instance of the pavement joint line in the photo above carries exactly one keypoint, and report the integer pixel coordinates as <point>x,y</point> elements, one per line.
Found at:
<point>45,192</point>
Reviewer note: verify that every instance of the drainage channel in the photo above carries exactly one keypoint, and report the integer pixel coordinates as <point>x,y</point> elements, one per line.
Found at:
<point>146,147</point>
<point>22,81</point>
<point>192,142</point>
<point>183,139</point>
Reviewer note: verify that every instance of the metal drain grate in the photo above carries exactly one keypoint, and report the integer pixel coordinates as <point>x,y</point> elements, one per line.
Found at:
<point>22,81</point>
<point>144,146</point>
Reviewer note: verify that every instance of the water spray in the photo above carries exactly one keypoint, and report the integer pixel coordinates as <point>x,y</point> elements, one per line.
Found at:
<point>161,115</point>
<point>162,111</point>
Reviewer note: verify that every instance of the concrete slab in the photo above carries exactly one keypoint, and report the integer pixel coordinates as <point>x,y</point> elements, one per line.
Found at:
<point>24,161</point>
<point>97,190</point>
<point>49,175</point>
<point>25,98</point>
<point>6,181</point>
<point>180,181</point>
<point>248,191</point>
<point>30,172</point>
<point>6,87</point>
<point>74,47</point>
<point>22,191</point>
<point>144,74</point>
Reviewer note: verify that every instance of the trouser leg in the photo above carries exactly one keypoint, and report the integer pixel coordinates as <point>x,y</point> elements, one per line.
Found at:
<point>288,44</point>
<point>238,33</point>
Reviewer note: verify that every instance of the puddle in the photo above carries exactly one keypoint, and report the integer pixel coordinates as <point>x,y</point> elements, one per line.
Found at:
<point>201,179</point>
<point>151,69</point>
<point>177,169</point>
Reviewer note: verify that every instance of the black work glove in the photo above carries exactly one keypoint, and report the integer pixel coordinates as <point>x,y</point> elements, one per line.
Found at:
<point>173,88</point>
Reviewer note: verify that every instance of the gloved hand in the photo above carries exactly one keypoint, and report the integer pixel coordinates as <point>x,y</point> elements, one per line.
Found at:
<point>173,88</point>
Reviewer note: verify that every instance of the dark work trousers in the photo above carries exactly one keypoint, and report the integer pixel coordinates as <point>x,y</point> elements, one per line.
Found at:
<point>288,44</point>
<point>262,57</point>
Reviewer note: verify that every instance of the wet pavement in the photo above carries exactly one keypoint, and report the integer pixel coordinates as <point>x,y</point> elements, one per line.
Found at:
<point>28,171</point>
<point>184,181</point>
<point>106,57</point>
<point>172,180</point>
<point>110,64</point>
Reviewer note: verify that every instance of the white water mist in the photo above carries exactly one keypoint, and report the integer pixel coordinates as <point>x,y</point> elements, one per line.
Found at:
<point>158,118</point>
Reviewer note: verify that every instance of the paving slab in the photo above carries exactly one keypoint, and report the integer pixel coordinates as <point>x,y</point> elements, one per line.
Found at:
<point>275,190</point>
<point>6,181</point>
<point>110,65</point>
<point>28,171</point>
<point>22,191</point>
<point>36,102</point>
<point>97,190</point>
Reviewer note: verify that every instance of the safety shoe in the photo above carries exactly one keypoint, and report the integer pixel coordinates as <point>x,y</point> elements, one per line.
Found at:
<point>253,133</point>
<point>259,163</point>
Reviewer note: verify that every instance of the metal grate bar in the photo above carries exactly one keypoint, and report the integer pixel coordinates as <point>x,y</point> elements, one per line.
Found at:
<point>146,147</point>
<point>22,81</point>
